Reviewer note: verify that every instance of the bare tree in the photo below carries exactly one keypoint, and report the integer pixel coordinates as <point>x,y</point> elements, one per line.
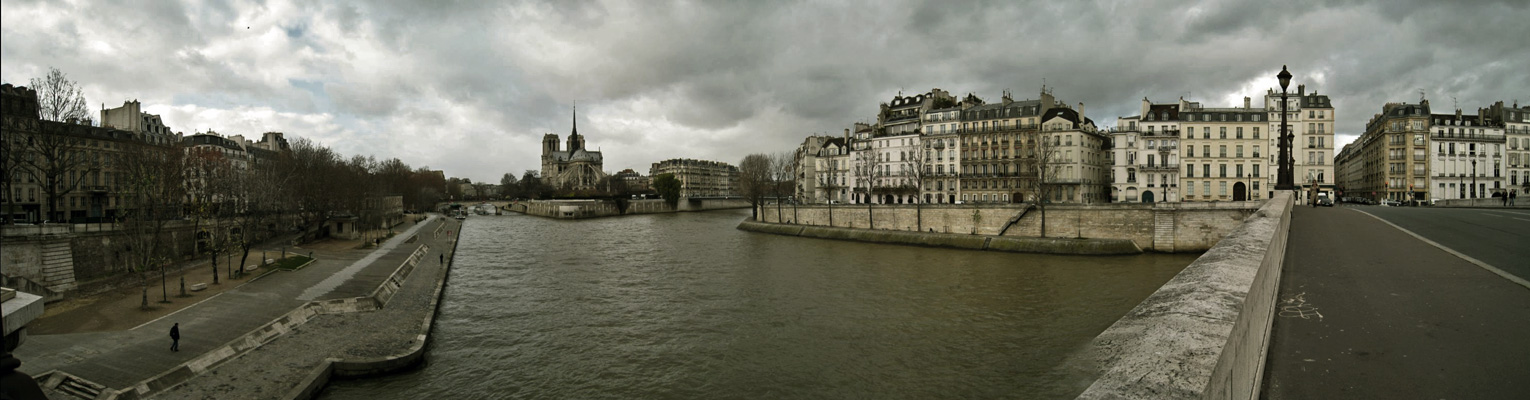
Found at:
<point>58,160</point>
<point>153,188</point>
<point>919,170</point>
<point>782,167</point>
<point>827,180</point>
<point>209,183</point>
<point>316,170</point>
<point>754,180</point>
<point>60,99</point>
<point>259,202</point>
<point>868,171</point>
<point>1040,169</point>
<point>11,164</point>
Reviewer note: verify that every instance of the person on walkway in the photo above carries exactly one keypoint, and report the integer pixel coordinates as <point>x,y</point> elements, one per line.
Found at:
<point>443,258</point>
<point>175,337</point>
<point>1512,195</point>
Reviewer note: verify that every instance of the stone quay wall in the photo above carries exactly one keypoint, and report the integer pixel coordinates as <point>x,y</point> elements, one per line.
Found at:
<point>1163,227</point>
<point>1015,244</point>
<point>1206,332</point>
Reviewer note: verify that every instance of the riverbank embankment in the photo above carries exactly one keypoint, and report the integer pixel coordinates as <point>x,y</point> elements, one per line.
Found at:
<point>1206,332</point>
<point>294,356</point>
<point>1160,227</point>
<point>952,240</point>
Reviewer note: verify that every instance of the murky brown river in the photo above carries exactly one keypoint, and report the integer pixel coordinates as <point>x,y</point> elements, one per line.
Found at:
<point>686,306</point>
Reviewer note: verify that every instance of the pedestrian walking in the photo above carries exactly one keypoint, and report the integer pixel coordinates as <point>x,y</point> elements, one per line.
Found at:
<point>1505,199</point>
<point>1513,194</point>
<point>175,337</point>
<point>443,258</point>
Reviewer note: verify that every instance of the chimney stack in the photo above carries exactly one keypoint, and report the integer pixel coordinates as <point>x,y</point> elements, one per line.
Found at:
<point>1246,102</point>
<point>1080,113</point>
<point>1301,90</point>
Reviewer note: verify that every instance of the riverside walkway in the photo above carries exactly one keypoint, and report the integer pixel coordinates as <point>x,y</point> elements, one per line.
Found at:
<point>1369,311</point>
<point>214,363</point>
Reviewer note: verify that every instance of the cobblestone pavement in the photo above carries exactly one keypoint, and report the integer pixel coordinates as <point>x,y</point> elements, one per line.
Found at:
<point>276,368</point>
<point>122,359</point>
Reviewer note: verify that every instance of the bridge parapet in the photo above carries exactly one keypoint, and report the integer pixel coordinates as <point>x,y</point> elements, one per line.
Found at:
<point>1205,333</point>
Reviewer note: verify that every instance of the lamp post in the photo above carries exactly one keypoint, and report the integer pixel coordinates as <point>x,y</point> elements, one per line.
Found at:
<point>1285,177</point>
<point>1474,175</point>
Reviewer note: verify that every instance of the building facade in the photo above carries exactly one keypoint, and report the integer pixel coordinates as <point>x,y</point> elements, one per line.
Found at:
<point>1145,154</point>
<point>1309,117</point>
<point>80,165</point>
<point>1516,127</point>
<point>1224,153</point>
<point>1077,168</point>
<point>1392,155</point>
<point>1468,157</point>
<point>700,178</point>
<point>992,139</point>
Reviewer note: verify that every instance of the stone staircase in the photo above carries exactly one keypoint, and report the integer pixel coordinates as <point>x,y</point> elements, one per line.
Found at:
<point>65,386</point>
<point>1163,230</point>
<point>57,265</point>
<point>1014,220</point>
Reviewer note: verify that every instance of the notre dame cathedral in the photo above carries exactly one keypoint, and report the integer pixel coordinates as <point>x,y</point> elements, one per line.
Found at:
<point>574,169</point>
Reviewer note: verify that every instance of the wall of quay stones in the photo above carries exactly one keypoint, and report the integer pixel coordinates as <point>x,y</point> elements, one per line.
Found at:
<point>1162,227</point>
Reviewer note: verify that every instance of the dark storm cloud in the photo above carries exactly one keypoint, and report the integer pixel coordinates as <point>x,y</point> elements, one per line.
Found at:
<point>471,86</point>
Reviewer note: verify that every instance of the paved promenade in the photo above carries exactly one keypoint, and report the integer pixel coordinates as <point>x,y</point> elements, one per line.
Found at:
<point>123,359</point>
<point>1369,311</point>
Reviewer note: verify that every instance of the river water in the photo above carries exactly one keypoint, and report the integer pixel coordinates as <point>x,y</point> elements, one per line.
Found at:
<point>685,306</point>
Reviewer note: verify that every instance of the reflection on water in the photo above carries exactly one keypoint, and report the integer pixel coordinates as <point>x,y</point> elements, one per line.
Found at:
<point>685,306</point>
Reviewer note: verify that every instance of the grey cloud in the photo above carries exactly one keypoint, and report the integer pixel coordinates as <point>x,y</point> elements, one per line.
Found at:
<point>482,81</point>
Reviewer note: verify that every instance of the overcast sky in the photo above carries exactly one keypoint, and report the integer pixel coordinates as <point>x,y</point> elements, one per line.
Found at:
<point>471,86</point>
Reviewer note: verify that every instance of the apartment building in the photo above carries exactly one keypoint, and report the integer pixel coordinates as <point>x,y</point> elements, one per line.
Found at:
<point>1468,160</point>
<point>1393,155</point>
<point>76,166</point>
<point>700,178</point>
<point>1223,152</point>
<point>1072,155</point>
<point>1516,127</point>
<point>992,139</point>
<point>939,142</point>
<point>1310,120</point>
<point>1145,154</point>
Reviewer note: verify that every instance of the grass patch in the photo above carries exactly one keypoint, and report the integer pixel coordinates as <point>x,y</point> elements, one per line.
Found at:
<point>292,263</point>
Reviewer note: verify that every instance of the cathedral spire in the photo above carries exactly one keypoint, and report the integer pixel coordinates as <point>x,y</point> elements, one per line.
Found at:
<point>576,119</point>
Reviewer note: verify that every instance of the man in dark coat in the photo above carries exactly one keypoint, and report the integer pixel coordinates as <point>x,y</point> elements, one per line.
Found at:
<point>175,337</point>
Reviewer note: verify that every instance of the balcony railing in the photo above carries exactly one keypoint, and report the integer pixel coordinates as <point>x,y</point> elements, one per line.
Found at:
<point>1466,136</point>
<point>1158,167</point>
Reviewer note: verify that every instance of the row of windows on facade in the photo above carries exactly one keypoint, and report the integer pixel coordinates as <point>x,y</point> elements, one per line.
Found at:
<point>73,201</point>
<point>1312,128</point>
<point>1221,188</point>
<point>1238,117</point>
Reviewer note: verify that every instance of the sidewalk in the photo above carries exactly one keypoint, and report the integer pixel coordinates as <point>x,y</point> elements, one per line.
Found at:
<point>1368,311</point>
<point>121,359</point>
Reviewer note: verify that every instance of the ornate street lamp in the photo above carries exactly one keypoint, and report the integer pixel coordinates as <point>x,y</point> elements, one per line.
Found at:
<point>1285,177</point>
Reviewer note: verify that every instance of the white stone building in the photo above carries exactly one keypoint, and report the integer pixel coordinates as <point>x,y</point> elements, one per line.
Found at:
<point>1142,168</point>
<point>1468,156</point>
<point>1516,121</point>
<point>1310,117</point>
